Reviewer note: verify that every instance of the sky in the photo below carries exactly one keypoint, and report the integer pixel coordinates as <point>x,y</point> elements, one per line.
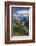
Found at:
<point>20,11</point>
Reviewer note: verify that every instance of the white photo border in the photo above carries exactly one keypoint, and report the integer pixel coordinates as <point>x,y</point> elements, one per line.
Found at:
<point>30,25</point>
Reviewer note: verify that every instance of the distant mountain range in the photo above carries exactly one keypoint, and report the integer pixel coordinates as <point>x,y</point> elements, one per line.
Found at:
<point>22,18</point>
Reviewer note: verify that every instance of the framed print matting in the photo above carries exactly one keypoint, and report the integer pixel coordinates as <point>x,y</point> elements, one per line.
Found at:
<point>19,22</point>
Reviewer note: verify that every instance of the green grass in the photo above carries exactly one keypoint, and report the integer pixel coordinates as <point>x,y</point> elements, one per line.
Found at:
<point>19,30</point>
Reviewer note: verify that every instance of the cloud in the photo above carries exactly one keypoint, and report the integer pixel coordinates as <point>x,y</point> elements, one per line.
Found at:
<point>14,15</point>
<point>22,11</point>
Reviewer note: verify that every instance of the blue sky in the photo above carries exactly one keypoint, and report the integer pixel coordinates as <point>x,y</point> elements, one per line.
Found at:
<point>19,11</point>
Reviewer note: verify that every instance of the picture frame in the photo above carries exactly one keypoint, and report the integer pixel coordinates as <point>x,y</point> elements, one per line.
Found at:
<point>12,11</point>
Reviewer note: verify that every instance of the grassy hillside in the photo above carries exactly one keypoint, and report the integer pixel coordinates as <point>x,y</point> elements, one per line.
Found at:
<point>19,28</point>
